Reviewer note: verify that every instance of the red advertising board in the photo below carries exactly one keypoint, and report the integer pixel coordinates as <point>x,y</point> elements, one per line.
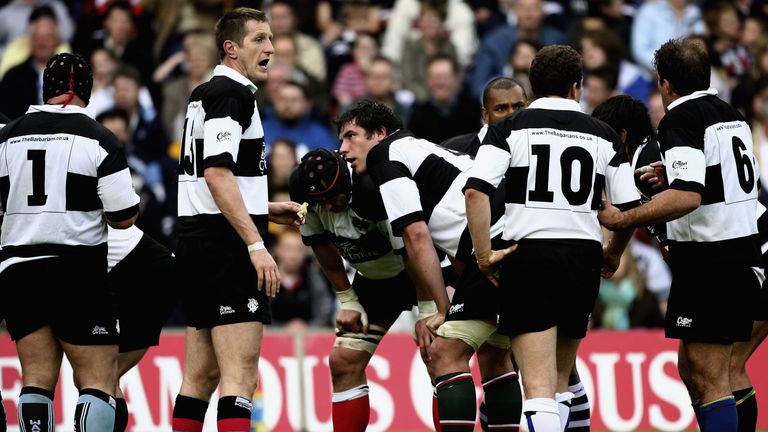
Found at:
<point>631,379</point>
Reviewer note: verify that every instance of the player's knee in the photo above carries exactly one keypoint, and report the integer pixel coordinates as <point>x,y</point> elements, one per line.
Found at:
<point>205,380</point>
<point>346,364</point>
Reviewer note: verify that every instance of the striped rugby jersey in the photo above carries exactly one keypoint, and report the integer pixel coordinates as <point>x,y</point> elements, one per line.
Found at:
<point>61,172</point>
<point>360,233</point>
<point>556,161</point>
<point>222,128</point>
<point>421,181</point>
<point>707,148</point>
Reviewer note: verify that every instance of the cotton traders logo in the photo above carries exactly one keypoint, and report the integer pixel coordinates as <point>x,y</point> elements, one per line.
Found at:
<point>456,309</point>
<point>684,322</point>
<point>679,165</point>
<point>221,136</point>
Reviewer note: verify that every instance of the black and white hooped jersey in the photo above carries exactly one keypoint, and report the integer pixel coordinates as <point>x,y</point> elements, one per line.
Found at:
<point>422,181</point>
<point>222,128</point>
<point>556,162</point>
<point>61,172</point>
<point>707,148</point>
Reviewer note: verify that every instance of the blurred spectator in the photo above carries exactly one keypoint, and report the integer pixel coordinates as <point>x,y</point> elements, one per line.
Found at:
<point>449,111</point>
<point>432,41</point>
<point>602,48</point>
<point>120,36</point>
<point>725,48</point>
<point>650,306</point>
<point>281,162</point>
<point>659,21</point>
<point>22,84</point>
<point>358,16</point>
<point>599,86</point>
<point>613,15</point>
<point>381,84</point>
<point>719,79</point>
<point>617,295</point>
<point>283,67</point>
<point>520,60</point>
<point>174,19</point>
<point>459,22</point>
<point>291,119</point>
<point>16,14</point>
<point>150,145</point>
<point>305,296</point>
<point>104,64</point>
<point>197,60</point>
<point>18,50</point>
<point>496,47</point>
<point>349,84</point>
<point>310,53</point>
<point>488,15</point>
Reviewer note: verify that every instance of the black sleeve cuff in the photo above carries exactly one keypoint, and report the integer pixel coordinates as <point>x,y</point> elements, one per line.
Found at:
<point>316,239</point>
<point>399,224</point>
<point>121,215</point>
<point>688,186</point>
<point>223,160</point>
<point>480,186</point>
<point>401,252</point>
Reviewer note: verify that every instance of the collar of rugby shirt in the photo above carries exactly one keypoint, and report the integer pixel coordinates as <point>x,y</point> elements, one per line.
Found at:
<point>58,109</point>
<point>695,95</point>
<point>553,103</point>
<point>222,70</point>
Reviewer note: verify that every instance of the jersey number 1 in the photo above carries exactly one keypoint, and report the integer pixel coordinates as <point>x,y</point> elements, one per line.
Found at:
<point>38,197</point>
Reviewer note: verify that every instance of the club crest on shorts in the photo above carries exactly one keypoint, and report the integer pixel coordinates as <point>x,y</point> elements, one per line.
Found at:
<point>252,305</point>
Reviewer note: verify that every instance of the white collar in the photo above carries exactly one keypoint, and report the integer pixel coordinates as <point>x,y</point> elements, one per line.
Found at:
<point>550,103</point>
<point>695,95</point>
<point>58,109</point>
<point>223,70</point>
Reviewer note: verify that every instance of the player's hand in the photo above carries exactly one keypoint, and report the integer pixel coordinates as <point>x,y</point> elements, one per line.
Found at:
<point>423,337</point>
<point>285,213</point>
<point>266,268</point>
<point>352,315</point>
<point>653,174</point>
<point>610,216</point>
<point>610,264</point>
<point>434,322</point>
<point>489,263</point>
<point>352,320</point>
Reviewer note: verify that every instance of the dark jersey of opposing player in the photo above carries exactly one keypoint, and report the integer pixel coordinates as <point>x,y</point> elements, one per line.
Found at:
<point>422,181</point>
<point>707,148</point>
<point>556,162</point>
<point>647,153</point>
<point>222,128</point>
<point>61,172</point>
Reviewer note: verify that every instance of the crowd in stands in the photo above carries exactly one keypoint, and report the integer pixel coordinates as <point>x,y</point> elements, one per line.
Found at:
<point>426,59</point>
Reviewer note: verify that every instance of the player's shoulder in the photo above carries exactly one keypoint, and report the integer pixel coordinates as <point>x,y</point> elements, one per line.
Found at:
<point>222,87</point>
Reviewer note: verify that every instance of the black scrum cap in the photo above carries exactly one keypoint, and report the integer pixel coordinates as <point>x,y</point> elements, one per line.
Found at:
<point>70,74</point>
<point>322,174</point>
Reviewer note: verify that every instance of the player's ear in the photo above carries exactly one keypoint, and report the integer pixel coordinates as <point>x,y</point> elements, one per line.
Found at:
<point>230,49</point>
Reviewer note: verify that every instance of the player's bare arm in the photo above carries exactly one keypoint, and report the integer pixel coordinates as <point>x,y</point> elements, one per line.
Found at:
<point>352,315</point>
<point>666,206</point>
<point>479,219</point>
<point>286,213</point>
<point>426,268</point>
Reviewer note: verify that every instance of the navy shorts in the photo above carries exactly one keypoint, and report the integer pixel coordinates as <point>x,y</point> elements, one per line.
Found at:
<point>218,283</point>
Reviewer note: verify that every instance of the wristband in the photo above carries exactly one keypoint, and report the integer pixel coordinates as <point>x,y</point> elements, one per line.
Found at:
<point>259,245</point>
<point>347,295</point>
<point>427,308</point>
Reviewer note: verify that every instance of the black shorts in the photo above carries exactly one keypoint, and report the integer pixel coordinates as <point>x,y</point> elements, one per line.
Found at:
<point>475,297</point>
<point>711,303</point>
<point>547,283</point>
<point>218,284</point>
<point>70,294</point>
<point>146,291</point>
<point>384,299</point>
